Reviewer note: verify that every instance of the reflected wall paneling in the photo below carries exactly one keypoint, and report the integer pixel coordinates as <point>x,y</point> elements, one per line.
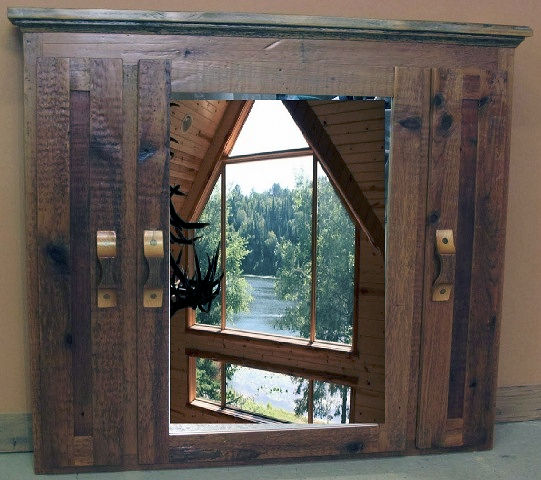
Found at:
<point>97,99</point>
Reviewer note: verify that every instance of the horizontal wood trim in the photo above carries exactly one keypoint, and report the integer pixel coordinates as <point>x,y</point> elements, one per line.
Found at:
<point>319,360</point>
<point>262,25</point>
<point>294,152</point>
<point>326,55</point>
<point>518,403</point>
<point>513,404</point>
<point>231,414</point>
<point>15,432</point>
<point>269,445</point>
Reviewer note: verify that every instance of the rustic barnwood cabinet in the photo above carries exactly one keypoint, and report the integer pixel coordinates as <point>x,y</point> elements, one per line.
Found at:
<point>97,87</point>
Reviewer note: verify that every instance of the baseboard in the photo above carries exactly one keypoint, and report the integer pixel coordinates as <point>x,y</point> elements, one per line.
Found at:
<point>518,403</point>
<point>15,432</point>
<point>513,404</point>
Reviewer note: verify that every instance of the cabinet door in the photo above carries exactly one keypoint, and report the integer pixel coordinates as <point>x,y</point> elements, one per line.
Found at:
<point>466,205</point>
<point>96,138</point>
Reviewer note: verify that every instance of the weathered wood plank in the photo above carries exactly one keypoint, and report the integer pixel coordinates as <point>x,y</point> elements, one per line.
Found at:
<point>442,205</point>
<point>487,261</point>
<point>261,25</point>
<point>53,233</point>
<point>106,213</point>
<point>518,403</point>
<point>153,214</point>
<point>405,242</point>
<point>246,447</point>
<point>332,54</point>
<point>464,245</point>
<point>32,50</point>
<point>127,257</point>
<point>80,261</point>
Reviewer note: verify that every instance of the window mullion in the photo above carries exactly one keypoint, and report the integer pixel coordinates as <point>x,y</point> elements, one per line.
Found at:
<point>314,253</point>
<point>223,222</point>
<point>223,394</point>
<point>310,401</point>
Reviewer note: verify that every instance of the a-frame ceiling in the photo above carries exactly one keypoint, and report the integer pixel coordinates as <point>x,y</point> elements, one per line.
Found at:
<point>347,136</point>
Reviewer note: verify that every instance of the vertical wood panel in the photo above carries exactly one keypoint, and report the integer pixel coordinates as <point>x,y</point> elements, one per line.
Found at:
<point>153,214</point>
<point>80,258</point>
<point>442,208</point>
<point>128,262</point>
<point>32,50</point>
<point>487,260</point>
<point>106,213</point>
<point>53,233</point>
<point>407,186</point>
<point>464,245</point>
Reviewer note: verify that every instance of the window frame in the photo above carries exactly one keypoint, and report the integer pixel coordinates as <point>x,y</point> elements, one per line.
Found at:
<point>191,322</point>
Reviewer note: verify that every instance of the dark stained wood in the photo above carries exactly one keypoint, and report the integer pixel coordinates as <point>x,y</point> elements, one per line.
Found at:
<point>106,213</point>
<point>127,258</point>
<point>442,202</point>
<point>53,262</point>
<point>32,50</point>
<point>261,25</point>
<point>487,260</point>
<point>464,245</point>
<point>152,214</point>
<point>408,162</point>
<point>249,447</point>
<point>336,169</point>
<point>81,261</point>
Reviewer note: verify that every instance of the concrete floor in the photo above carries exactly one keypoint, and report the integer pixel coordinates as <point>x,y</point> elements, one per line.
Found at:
<point>516,456</point>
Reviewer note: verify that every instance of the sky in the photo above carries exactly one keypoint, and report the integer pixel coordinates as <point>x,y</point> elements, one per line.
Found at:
<point>268,127</point>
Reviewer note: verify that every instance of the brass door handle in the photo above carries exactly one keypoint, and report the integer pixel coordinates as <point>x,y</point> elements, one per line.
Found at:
<point>446,253</point>
<point>106,253</point>
<point>154,254</point>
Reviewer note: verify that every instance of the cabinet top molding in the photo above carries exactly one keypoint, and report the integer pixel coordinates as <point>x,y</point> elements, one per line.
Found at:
<point>262,25</point>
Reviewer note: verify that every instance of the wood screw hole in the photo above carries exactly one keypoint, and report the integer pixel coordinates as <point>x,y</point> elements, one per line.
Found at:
<point>442,291</point>
<point>445,240</point>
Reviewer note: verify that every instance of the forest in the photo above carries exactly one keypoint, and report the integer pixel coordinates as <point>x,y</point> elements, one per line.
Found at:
<point>269,233</point>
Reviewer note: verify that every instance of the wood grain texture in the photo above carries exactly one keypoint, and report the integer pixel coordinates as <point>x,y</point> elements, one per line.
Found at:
<point>249,447</point>
<point>464,244</point>
<point>81,261</point>
<point>332,54</point>
<point>53,233</point>
<point>128,258</point>
<point>408,161</point>
<point>152,214</point>
<point>518,403</point>
<point>442,208</point>
<point>32,50</point>
<point>220,146</point>
<point>487,260</point>
<point>106,192</point>
<point>335,167</point>
<point>261,25</point>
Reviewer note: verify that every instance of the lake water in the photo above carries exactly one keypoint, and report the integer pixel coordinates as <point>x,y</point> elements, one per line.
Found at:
<point>264,387</point>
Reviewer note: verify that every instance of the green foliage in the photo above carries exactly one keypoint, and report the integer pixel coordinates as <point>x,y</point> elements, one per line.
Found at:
<point>270,233</point>
<point>207,378</point>
<point>238,296</point>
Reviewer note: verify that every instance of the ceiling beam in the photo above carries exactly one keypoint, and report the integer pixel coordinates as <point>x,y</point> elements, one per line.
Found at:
<point>220,146</point>
<point>337,170</point>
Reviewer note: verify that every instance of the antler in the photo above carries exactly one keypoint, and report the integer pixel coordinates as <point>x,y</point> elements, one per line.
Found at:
<point>197,291</point>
